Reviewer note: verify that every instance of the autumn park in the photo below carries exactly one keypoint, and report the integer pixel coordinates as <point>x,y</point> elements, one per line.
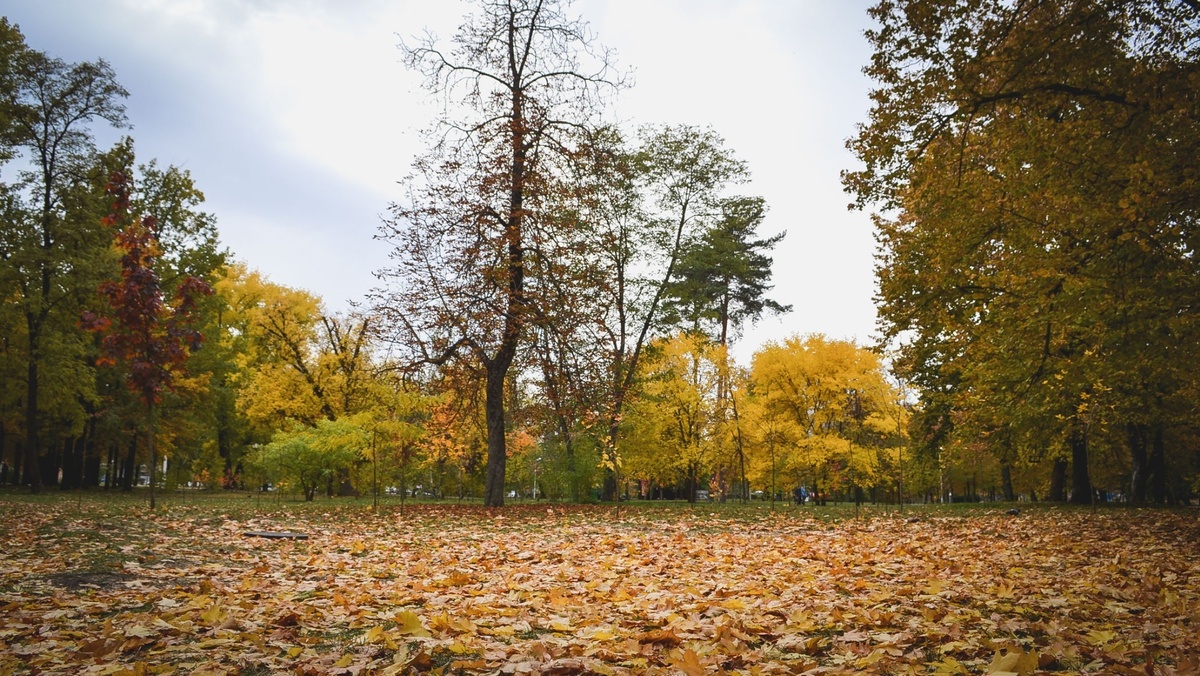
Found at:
<point>531,448</point>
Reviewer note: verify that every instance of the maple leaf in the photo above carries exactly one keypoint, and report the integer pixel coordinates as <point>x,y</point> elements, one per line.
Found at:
<point>409,624</point>
<point>689,663</point>
<point>1013,662</point>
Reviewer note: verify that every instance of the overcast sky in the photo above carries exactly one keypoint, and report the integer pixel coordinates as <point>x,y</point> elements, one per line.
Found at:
<point>297,118</point>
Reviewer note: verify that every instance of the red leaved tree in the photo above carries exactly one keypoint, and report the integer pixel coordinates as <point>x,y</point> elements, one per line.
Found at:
<point>150,336</point>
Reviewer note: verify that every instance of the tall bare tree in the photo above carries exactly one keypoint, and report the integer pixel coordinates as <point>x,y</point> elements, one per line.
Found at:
<point>479,227</point>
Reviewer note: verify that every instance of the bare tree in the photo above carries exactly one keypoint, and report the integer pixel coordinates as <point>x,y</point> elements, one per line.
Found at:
<point>481,224</point>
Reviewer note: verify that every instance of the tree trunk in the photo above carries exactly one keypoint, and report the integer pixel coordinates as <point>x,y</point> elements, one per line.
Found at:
<point>150,445</point>
<point>1135,437</point>
<point>609,489</point>
<point>497,444</point>
<point>32,477</point>
<point>129,478</point>
<point>1081,485</point>
<point>1158,467</point>
<point>1006,481</point>
<point>91,456</point>
<point>110,472</point>
<point>564,426</point>
<point>72,463</point>
<point>1058,482</point>
<point>49,464</point>
<point>18,455</point>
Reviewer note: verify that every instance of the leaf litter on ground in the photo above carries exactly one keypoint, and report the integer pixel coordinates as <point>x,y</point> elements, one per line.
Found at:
<point>572,590</point>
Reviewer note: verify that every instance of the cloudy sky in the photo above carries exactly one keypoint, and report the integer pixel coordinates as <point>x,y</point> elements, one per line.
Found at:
<point>297,119</point>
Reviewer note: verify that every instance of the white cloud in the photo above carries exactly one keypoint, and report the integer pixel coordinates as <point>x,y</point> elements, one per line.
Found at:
<point>297,118</point>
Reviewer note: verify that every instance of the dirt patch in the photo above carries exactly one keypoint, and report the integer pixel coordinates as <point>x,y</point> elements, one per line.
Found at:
<point>88,579</point>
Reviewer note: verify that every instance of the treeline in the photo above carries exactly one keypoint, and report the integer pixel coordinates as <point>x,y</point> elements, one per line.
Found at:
<point>1036,168</point>
<point>563,294</point>
<point>65,417</point>
<point>640,266</point>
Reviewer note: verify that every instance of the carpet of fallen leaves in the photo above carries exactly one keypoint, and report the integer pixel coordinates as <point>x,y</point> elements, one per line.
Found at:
<point>574,590</point>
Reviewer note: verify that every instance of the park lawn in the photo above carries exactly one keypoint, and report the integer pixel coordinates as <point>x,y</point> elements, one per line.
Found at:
<point>99,585</point>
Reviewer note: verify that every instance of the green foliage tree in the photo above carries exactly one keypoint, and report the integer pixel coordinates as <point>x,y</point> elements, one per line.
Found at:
<point>48,109</point>
<point>309,457</point>
<point>723,276</point>
<point>665,191</point>
<point>1035,167</point>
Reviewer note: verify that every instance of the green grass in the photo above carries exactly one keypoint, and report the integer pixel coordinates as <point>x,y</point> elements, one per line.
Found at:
<point>108,511</point>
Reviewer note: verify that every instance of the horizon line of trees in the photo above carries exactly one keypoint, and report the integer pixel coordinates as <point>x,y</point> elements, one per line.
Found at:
<point>564,293</point>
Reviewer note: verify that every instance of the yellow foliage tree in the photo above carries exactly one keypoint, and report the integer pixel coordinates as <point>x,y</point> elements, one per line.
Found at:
<point>823,413</point>
<point>672,425</point>
<point>298,363</point>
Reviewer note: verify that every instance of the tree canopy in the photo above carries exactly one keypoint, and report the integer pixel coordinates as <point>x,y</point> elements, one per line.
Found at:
<point>1035,169</point>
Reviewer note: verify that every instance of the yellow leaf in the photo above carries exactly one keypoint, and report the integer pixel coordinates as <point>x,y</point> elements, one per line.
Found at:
<point>597,634</point>
<point>734,604</point>
<point>213,615</point>
<point>294,652</point>
<point>560,624</point>
<point>409,623</point>
<point>949,665</point>
<point>1004,591</point>
<point>346,660</point>
<point>872,658</point>
<point>1015,661</point>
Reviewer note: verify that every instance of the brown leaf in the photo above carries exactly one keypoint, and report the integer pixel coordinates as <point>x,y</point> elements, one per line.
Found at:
<point>665,637</point>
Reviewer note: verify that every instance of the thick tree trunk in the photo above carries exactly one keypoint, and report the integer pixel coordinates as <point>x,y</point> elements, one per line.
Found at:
<point>5,469</point>
<point>569,451</point>
<point>1081,484</point>
<point>1058,482</point>
<point>110,472</point>
<point>497,446</point>
<point>32,477</point>
<point>18,457</point>
<point>72,463</point>
<point>1010,495</point>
